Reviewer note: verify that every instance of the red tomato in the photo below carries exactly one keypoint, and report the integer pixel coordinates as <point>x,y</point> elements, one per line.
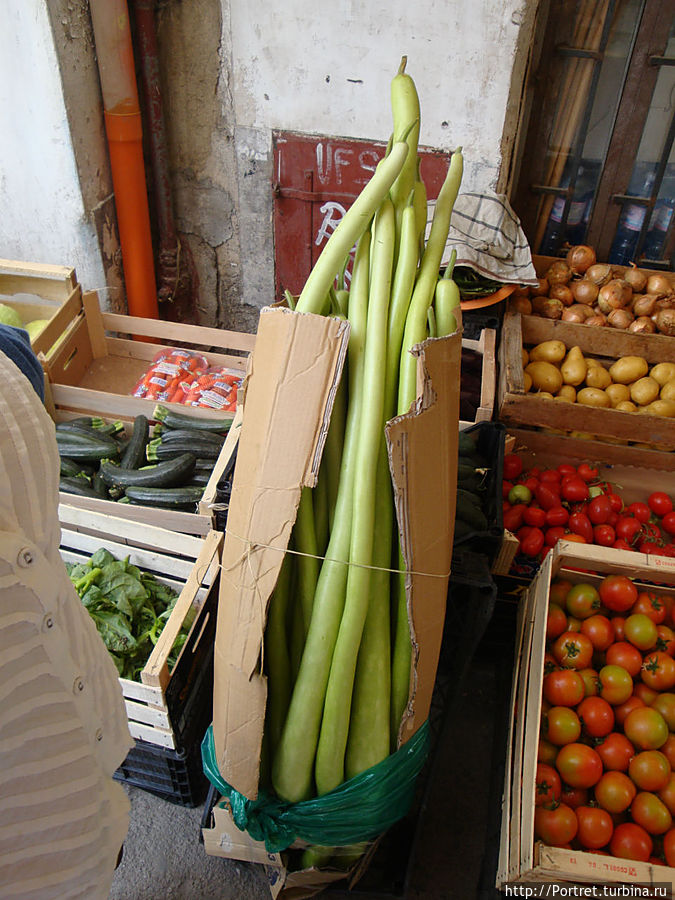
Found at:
<point>640,511</point>
<point>620,544</point>
<point>550,476</point>
<point>668,750</point>
<point>573,650</point>
<point>582,601</point>
<point>596,716</point>
<point>615,501</point>
<point>660,503</point>
<point>630,841</point>
<point>667,794</point>
<point>546,496</point>
<point>616,752</point>
<point>573,624</point>
<point>621,711</point>
<point>556,515</point>
<point>590,679</point>
<point>533,542</point>
<point>546,752</point>
<point>513,466</point>
<point>574,797</point>
<point>616,685</point>
<point>665,704</point>
<point>564,687</point>
<point>548,786</point>
<point>556,622</point>
<point>566,469</point>
<point>600,631</point>
<point>640,631</point>
<point>651,813</point>
<point>535,516</point>
<point>587,472</point>
<point>579,765</point>
<point>646,694</point>
<point>559,590</point>
<point>553,535</point>
<point>669,847</point>
<point>598,509</point>
<point>619,623</point>
<point>595,827</point>
<point>625,655</point>
<point>658,671</point>
<point>645,728</point>
<point>574,490</point>
<point>650,770</point>
<point>560,726</point>
<point>627,528</point>
<point>665,640</point>
<point>506,487</point>
<point>555,826</point>
<point>615,792</point>
<point>604,535</point>
<point>579,523</point>
<point>651,605</point>
<point>513,517</point>
<point>668,523</point>
<point>617,593</point>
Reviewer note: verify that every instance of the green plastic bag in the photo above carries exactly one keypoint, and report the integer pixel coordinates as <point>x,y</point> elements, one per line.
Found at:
<point>358,810</point>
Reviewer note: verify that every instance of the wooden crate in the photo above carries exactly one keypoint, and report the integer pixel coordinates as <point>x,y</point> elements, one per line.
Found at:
<point>39,291</point>
<point>486,345</point>
<point>521,860</point>
<point>516,407</point>
<point>91,372</point>
<point>157,706</point>
<point>541,264</point>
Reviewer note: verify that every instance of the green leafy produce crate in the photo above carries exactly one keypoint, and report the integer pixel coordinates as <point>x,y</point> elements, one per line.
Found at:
<point>162,706</point>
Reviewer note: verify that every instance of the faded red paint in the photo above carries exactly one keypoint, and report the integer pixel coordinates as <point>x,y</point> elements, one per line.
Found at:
<point>314,179</point>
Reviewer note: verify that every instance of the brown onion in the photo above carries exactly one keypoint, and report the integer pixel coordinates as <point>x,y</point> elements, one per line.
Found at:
<point>659,285</point>
<point>665,321</point>
<point>547,307</point>
<point>643,304</point>
<point>600,273</point>
<point>667,302</point>
<point>642,325</point>
<point>540,289</point>
<point>636,278</point>
<point>584,311</point>
<point>558,272</point>
<point>563,293</point>
<point>573,314</point>
<point>521,304</point>
<point>596,320</point>
<point>620,318</point>
<point>585,291</point>
<point>580,258</point>
<point>614,295</point>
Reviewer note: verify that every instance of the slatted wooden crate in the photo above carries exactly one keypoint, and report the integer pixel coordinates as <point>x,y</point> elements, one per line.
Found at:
<point>40,291</point>
<point>486,346</point>
<point>160,707</point>
<point>521,859</point>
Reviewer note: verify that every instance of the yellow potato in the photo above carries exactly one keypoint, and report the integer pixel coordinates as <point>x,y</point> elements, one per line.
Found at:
<point>527,378</point>
<point>545,376</point>
<point>593,397</point>
<point>526,357</point>
<point>663,372</point>
<point>628,369</point>
<point>616,392</point>
<point>548,351</point>
<point>668,390</point>
<point>644,390</point>
<point>660,408</point>
<point>545,395</point>
<point>598,377</point>
<point>626,406</point>
<point>566,392</point>
<point>573,367</point>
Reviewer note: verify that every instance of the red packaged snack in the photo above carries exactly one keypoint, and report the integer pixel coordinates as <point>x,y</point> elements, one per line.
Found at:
<point>215,389</point>
<point>170,369</point>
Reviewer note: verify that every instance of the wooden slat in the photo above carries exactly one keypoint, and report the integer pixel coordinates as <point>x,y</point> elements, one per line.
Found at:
<point>231,441</point>
<point>48,281</point>
<point>169,566</point>
<point>92,313</point>
<point>147,715</point>
<point>174,331</point>
<point>58,322</point>
<point>144,693</point>
<point>158,736</point>
<point>125,349</point>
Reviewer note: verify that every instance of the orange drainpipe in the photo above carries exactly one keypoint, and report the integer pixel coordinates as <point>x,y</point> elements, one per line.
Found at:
<point>114,51</point>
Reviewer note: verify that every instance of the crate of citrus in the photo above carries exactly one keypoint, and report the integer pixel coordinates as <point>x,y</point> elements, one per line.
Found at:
<point>590,778</point>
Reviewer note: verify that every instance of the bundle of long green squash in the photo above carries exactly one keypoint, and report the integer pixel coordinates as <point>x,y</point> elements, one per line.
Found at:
<point>337,640</point>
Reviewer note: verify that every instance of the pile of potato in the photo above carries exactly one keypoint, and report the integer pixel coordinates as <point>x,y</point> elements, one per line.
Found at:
<point>577,289</point>
<point>629,385</point>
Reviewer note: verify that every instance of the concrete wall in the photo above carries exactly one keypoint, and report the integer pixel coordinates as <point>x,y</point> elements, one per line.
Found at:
<point>231,72</point>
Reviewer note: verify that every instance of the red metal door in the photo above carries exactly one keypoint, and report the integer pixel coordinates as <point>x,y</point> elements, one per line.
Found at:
<point>315,181</point>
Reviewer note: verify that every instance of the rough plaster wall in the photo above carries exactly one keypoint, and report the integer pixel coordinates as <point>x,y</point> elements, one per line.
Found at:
<point>42,214</point>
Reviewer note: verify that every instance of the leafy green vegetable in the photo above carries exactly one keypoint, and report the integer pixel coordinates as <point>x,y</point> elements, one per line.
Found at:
<point>130,609</point>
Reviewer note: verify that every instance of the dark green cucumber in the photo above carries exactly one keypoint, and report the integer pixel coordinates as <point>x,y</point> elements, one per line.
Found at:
<point>133,456</point>
<point>168,473</point>
<point>169,498</point>
<point>77,485</point>
<point>158,450</point>
<point>184,420</point>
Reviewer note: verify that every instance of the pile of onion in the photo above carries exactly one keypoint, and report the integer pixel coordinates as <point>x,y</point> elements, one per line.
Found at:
<point>579,289</point>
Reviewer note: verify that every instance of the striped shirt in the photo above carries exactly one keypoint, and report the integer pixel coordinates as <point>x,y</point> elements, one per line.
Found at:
<point>63,724</point>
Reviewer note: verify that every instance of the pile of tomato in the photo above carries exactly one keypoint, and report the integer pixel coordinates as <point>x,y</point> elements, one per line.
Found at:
<point>543,506</point>
<point>605,779</point>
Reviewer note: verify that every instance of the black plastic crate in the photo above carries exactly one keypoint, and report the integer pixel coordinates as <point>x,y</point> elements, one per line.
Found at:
<point>489,439</point>
<point>475,320</point>
<point>173,775</point>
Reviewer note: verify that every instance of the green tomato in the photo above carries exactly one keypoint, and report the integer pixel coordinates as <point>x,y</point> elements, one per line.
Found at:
<point>519,493</point>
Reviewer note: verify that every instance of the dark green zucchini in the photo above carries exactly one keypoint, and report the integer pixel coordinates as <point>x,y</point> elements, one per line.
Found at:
<point>87,450</point>
<point>472,515</point>
<point>72,467</point>
<point>169,498</point>
<point>99,485</point>
<point>184,420</point>
<point>466,446</point>
<point>170,435</point>
<point>77,485</point>
<point>199,478</point>
<point>168,473</point>
<point>107,429</point>
<point>158,450</point>
<point>133,456</point>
